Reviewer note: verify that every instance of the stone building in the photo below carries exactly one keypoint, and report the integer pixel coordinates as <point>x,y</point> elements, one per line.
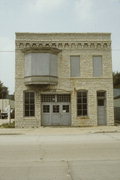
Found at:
<point>117,105</point>
<point>63,79</point>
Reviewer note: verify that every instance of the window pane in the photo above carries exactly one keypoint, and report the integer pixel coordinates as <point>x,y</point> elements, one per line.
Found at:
<point>32,113</point>
<point>84,94</point>
<point>46,108</point>
<point>84,100</point>
<point>84,112</point>
<point>26,107</point>
<point>66,108</point>
<point>31,95</point>
<point>32,107</point>
<point>79,100</point>
<point>48,98</point>
<point>79,112</point>
<point>32,100</point>
<point>79,106</point>
<point>84,106</point>
<point>26,113</point>
<point>27,95</point>
<point>55,108</point>
<point>26,100</point>
<point>100,102</point>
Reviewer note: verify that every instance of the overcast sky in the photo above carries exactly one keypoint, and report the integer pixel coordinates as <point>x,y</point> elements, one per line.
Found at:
<point>54,16</point>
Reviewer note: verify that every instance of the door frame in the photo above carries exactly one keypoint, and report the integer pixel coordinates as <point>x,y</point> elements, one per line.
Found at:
<point>61,113</point>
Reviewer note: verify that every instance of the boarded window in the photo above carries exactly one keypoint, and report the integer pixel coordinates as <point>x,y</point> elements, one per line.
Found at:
<point>82,103</point>
<point>74,66</point>
<point>97,66</point>
<point>29,104</point>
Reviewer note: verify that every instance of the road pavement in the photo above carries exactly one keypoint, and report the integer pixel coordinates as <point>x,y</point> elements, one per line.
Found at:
<point>60,156</point>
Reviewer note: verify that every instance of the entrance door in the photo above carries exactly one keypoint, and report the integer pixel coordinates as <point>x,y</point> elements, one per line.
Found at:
<point>101,108</point>
<point>56,115</point>
<point>56,111</point>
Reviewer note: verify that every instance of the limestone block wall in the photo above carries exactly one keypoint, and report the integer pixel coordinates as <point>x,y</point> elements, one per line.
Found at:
<point>86,45</point>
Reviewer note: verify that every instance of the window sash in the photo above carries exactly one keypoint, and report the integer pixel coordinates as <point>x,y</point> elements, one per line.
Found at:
<point>29,104</point>
<point>46,108</point>
<point>82,107</point>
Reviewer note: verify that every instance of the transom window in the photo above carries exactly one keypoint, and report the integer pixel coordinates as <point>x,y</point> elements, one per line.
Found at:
<point>101,94</point>
<point>48,98</point>
<point>82,109</point>
<point>55,97</point>
<point>63,98</point>
<point>101,97</point>
<point>29,104</point>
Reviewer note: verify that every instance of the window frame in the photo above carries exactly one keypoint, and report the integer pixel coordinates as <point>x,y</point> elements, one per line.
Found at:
<point>82,104</point>
<point>46,108</point>
<point>101,95</point>
<point>56,108</point>
<point>29,104</point>
<point>71,73</point>
<point>65,108</point>
<point>101,74</point>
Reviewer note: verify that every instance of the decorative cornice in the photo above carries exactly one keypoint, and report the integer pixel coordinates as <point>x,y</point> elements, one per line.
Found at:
<point>64,36</point>
<point>28,45</point>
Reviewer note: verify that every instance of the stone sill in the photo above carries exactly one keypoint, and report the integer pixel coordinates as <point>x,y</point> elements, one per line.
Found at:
<point>83,117</point>
<point>29,118</point>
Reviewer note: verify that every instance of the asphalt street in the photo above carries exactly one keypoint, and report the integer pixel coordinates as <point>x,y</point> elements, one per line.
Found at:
<point>90,156</point>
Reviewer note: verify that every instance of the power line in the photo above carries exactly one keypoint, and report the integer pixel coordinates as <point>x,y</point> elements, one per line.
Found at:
<point>12,51</point>
<point>8,51</point>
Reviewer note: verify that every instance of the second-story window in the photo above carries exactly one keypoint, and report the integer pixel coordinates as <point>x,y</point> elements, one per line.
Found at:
<point>97,66</point>
<point>74,66</point>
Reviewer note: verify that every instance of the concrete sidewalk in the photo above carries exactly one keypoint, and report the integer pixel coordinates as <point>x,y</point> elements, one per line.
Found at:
<point>60,130</point>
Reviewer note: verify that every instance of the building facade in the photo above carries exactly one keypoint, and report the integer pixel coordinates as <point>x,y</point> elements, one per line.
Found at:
<point>117,106</point>
<point>63,79</point>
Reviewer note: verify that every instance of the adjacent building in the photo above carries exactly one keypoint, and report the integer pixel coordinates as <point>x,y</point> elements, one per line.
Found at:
<point>117,105</point>
<point>6,105</point>
<point>63,79</point>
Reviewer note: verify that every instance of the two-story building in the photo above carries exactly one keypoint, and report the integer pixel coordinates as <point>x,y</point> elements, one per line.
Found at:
<point>63,79</point>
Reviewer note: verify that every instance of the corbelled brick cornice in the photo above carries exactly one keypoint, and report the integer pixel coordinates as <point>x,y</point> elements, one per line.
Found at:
<point>63,40</point>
